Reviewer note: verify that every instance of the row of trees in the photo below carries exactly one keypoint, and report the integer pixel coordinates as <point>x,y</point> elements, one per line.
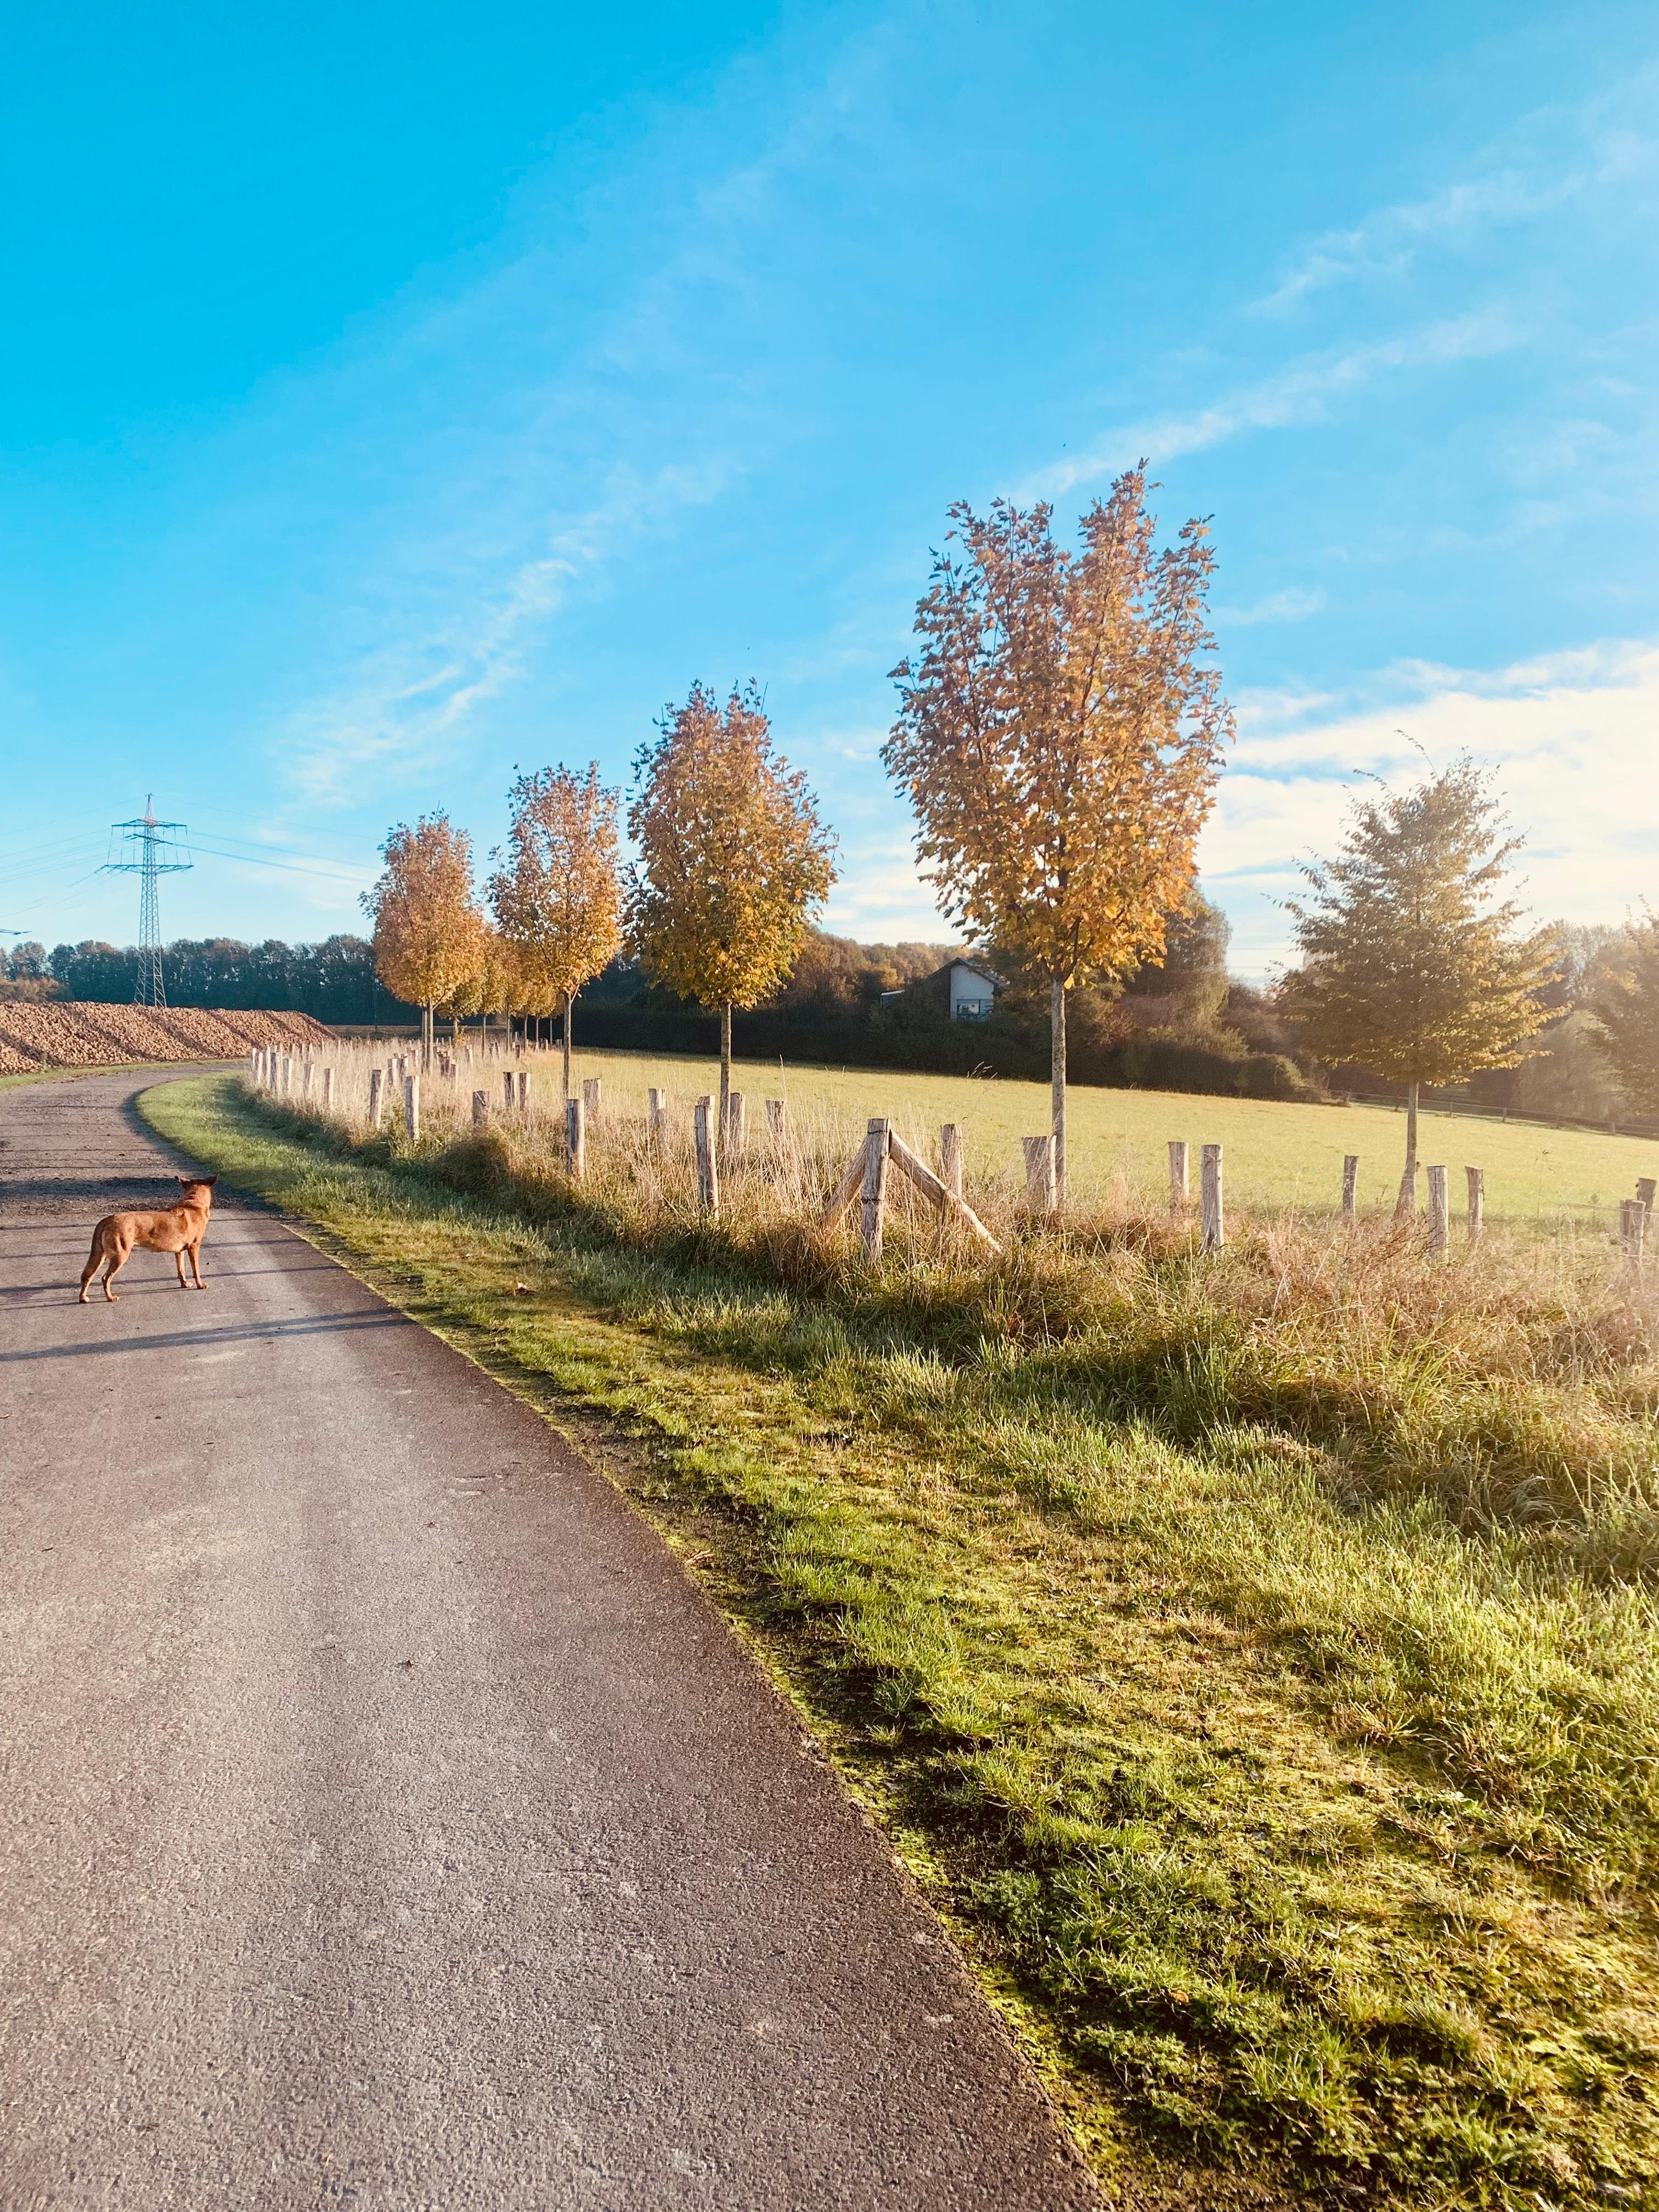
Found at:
<point>732,860</point>
<point>1060,729</point>
<point>1060,733</point>
<point>334,980</point>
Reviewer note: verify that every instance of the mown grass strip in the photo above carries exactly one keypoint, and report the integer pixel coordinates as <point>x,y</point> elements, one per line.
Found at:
<point>1296,1833</point>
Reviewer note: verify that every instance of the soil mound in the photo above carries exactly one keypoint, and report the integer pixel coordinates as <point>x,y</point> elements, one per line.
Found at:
<point>56,1033</point>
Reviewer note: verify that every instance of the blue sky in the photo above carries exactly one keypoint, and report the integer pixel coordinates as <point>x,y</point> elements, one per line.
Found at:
<point>394,395</point>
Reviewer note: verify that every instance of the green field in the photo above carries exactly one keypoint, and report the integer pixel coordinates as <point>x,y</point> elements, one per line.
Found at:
<point>1277,1154</point>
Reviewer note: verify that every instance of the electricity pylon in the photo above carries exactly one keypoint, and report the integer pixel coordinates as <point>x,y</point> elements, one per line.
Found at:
<point>160,852</point>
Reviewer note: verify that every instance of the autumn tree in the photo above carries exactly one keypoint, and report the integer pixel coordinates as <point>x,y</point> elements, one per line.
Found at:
<point>556,895</point>
<point>1059,735</point>
<point>732,859</point>
<point>428,932</point>
<point>1624,1006</point>
<point>1413,964</point>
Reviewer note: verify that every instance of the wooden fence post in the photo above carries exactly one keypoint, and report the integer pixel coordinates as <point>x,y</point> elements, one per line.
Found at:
<point>1645,1190</point>
<point>376,1095</point>
<point>524,1091</point>
<point>412,1106</point>
<point>949,1158</point>
<point>575,1138</point>
<point>737,1123</point>
<point>656,1115</point>
<point>1179,1197</point>
<point>1041,1196</point>
<point>708,1173</point>
<point>777,1121</point>
<point>1476,1180</point>
<point>507,1090</point>
<point>593,1092</point>
<point>328,1090</point>
<point>1439,1215</point>
<point>305,1079</point>
<point>1351,1188</point>
<point>874,1193</point>
<point>1212,1212</point>
<point>480,1108</point>
<point>1633,1229</point>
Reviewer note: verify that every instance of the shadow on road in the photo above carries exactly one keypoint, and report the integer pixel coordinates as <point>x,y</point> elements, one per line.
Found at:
<point>265,1331</point>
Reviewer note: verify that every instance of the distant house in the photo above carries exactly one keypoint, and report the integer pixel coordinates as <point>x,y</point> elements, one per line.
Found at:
<point>962,989</point>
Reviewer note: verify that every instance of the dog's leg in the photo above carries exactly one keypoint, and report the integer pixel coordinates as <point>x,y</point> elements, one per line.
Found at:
<point>90,1269</point>
<point>179,1262</point>
<point>196,1264</point>
<point>118,1260</point>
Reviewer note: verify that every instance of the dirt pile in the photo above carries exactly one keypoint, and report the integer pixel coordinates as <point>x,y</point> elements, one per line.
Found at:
<point>54,1034</point>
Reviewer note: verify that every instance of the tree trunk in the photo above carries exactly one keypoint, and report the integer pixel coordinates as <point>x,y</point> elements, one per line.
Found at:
<point>1405,1204</point>
<point>725,1067</point>
<point>1057,1082</point>
<point>426,1025</point>
<point>565,1027</point>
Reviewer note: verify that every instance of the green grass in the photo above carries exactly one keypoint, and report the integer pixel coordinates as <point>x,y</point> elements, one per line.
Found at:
<point>1296,1827</point>
<point>1277,1153</point>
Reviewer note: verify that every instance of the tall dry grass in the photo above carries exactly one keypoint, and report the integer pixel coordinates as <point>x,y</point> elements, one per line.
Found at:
<point>1515,1384</point>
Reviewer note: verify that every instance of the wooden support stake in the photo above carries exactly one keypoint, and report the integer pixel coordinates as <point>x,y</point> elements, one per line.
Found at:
<point>950,1159</point>
<point>874,1189</point>
<point>524,1091</point>
<point>376,1095</point>
<point>575,1138</point>
<point>776,1120</point>
<point>1180,1197</point>
<point>507,1090</point>
<point>1212,1219</point>
<point>656,1115</point>
<point>1633,1229</point>
<point>845,1191</point>
<point>480,1108</point>
<point>1041,1195</point>
<point>708,1173</point>
<point>737,1123</point>
<point>1476,1180</point>
<point>593,1091</point>
<point>305,1079</point>
<point>1439,1215</point>
<point>412,1106</point>
<point>1351,1188</point>
<point>287,1075</point>
<point>328,1090</point>
<point>1645,1190</point>
<point>940,1193</point>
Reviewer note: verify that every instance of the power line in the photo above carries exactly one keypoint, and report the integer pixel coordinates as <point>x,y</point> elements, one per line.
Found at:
<point>159,852</point>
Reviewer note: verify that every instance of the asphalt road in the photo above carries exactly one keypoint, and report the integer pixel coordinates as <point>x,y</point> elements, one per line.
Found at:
<point>384,1819</point>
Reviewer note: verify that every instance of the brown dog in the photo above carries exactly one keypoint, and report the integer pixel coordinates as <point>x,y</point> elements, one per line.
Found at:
<point>177,1228</point>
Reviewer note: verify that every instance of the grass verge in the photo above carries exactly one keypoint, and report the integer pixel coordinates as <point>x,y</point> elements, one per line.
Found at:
<point>1300,1831</point>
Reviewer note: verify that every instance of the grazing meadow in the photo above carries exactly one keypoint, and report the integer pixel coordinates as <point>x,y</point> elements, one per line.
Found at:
<point>1281,1155</point>
<point>1254,1654</point>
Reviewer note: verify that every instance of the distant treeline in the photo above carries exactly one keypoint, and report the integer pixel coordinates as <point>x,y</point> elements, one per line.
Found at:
<point>334,980</point>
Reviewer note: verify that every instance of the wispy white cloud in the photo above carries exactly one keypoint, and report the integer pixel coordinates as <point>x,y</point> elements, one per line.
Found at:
<point>1299,394</point>
<point>406,703</point>
<point>1388,239</point>
<point>1546,162</point>
<point>1571,736</point>
<point>1293,604</point>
